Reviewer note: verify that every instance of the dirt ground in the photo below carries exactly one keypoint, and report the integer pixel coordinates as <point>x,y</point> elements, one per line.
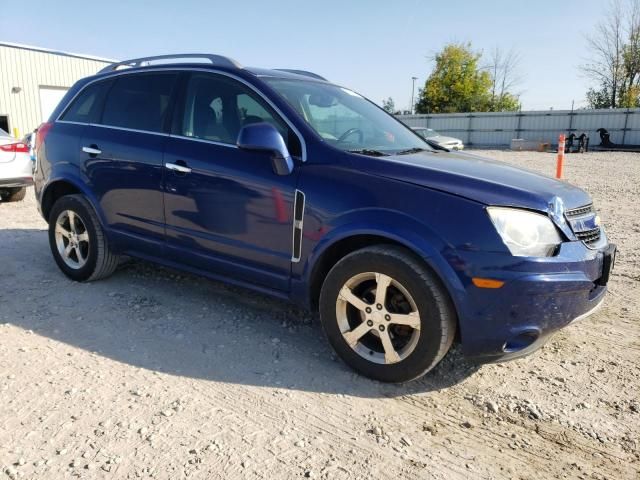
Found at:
<point>154,373</point>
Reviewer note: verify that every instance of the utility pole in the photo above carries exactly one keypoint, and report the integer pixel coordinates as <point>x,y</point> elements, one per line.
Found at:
<point>413,88</point>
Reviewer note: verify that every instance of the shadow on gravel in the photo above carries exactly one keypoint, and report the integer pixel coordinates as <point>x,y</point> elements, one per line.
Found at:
<point>162,320</point>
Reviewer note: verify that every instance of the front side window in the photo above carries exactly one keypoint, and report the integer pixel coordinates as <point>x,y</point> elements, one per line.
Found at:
<point>345,119</point>
<point>217,107</point>
<point>139,102</point>
<point>85,108</point>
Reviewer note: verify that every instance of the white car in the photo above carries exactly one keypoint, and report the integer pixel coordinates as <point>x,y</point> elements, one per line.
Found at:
<point>16,168</point>
<point>450,143</point>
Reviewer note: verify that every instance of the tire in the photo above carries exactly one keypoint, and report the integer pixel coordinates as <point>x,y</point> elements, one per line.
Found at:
<point>415,296</point>
<point>92,259</point>
<point>15,194</point>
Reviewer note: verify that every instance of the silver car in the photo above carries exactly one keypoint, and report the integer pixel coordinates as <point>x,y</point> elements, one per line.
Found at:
<point>450,143</point>
<point>16,168</point>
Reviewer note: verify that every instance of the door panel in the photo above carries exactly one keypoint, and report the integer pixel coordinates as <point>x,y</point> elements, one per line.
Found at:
<point>127,179</point>
<point>123,161</point>
<point>231,214</point>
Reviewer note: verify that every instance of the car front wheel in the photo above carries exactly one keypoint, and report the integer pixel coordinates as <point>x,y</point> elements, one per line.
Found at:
<point>77,241</point>
<point>386,314</point>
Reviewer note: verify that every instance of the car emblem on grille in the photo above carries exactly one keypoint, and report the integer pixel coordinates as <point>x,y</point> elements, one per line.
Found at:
<point>556,208</point>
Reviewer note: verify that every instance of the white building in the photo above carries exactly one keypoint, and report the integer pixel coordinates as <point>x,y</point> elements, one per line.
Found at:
<point>33,80</point>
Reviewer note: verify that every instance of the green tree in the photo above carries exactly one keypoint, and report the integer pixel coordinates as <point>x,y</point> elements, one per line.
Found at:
<point>457,83</point>
<point>507,102</point>
<point>614,63</point>
<point>389,105</point>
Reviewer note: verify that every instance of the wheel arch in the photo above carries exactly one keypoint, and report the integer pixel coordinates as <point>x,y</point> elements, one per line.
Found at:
<point>418,244</point>
<point>60,187</point>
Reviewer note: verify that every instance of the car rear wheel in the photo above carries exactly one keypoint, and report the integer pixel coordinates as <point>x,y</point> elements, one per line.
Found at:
<point>386,314</point>
<point>78,243</point>
<point>14,194</point>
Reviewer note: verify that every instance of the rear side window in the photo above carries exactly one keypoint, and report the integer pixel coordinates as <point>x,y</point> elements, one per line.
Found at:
<point>86,107</point>
<point>139,102</point>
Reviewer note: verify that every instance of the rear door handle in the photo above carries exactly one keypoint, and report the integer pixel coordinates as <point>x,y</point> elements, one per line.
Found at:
<point>92,150</point>
<point>178,168</point>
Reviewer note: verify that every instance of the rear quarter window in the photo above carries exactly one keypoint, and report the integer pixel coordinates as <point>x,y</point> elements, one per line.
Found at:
<point>87,106</point>
<point>139,102</point>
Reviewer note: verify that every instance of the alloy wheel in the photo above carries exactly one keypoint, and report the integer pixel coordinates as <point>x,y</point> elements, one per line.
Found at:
<point>72,239</point>
<point>378,318</point>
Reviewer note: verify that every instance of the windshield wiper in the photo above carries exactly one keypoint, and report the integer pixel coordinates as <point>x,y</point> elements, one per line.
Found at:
<point>436,146</point>
<point>371,153</point>
<point>412,150</point>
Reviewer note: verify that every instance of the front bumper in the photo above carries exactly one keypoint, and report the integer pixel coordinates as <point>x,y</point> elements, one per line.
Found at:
<point>539,297</point>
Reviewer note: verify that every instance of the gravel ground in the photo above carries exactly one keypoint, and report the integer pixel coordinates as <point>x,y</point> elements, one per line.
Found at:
<point>154,373</point>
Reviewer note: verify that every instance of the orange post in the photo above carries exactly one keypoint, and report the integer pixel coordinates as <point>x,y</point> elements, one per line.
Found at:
<point>560,156</point>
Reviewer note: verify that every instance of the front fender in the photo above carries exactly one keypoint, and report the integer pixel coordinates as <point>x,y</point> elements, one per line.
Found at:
<point>395,226</point>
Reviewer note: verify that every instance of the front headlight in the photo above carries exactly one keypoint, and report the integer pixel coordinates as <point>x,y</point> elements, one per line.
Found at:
<point>526,234</point>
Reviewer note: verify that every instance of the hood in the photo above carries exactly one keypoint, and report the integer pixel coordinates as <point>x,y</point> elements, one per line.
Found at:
<point>477,178</point>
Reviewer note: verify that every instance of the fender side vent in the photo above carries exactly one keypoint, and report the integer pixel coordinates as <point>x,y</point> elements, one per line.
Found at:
<point>298,218</point>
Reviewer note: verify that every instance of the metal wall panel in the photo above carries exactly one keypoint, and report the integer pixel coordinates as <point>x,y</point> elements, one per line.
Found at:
<point>28,69</point>
<point>545,126</point>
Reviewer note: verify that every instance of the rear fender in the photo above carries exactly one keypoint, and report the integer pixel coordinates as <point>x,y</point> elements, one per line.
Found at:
<point>68,174</point>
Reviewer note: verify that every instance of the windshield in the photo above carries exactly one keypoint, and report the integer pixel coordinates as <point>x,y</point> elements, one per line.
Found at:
<point>347,120</point>
<point>3,133</point>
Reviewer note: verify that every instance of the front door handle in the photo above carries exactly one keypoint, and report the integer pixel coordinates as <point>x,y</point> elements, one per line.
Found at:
<point>92,150</point>
<point>177,168</point>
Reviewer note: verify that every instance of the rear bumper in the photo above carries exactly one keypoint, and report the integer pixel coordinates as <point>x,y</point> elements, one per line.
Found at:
<point>538,298</point>
<point>17,173</point>
<point>16,182</point>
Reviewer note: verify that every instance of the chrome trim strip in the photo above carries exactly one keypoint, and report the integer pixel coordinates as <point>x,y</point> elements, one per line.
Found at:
<point>297,225</point>
<point>124,129</point>
<point>181,137</point>
<point>204,140</point>
<point>182,69</point>
<point>70,122</point>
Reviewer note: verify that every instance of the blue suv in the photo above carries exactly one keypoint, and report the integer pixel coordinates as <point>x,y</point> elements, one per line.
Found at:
<point>283,182</point>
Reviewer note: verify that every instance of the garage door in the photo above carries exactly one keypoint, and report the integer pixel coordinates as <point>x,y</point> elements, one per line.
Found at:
<point>49,99</point>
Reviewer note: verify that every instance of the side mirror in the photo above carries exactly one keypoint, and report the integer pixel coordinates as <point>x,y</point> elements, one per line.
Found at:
<point>264,137</point>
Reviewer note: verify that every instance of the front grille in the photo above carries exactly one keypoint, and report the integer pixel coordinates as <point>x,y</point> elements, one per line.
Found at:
<point>580,211</point>
<point>584,223</point>
<point>589,236</point>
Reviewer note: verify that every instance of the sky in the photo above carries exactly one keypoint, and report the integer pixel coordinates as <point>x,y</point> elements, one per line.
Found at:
<point>371,46</point>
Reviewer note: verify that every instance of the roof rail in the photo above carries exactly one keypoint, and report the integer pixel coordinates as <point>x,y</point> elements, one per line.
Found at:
<point>217,60</point>
<point>302,72</point>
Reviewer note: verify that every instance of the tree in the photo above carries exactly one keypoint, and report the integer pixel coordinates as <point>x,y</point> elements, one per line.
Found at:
<point>457,84</point>
<point>503,68</point>
<point>389,105</point>
<point>615,57</point>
